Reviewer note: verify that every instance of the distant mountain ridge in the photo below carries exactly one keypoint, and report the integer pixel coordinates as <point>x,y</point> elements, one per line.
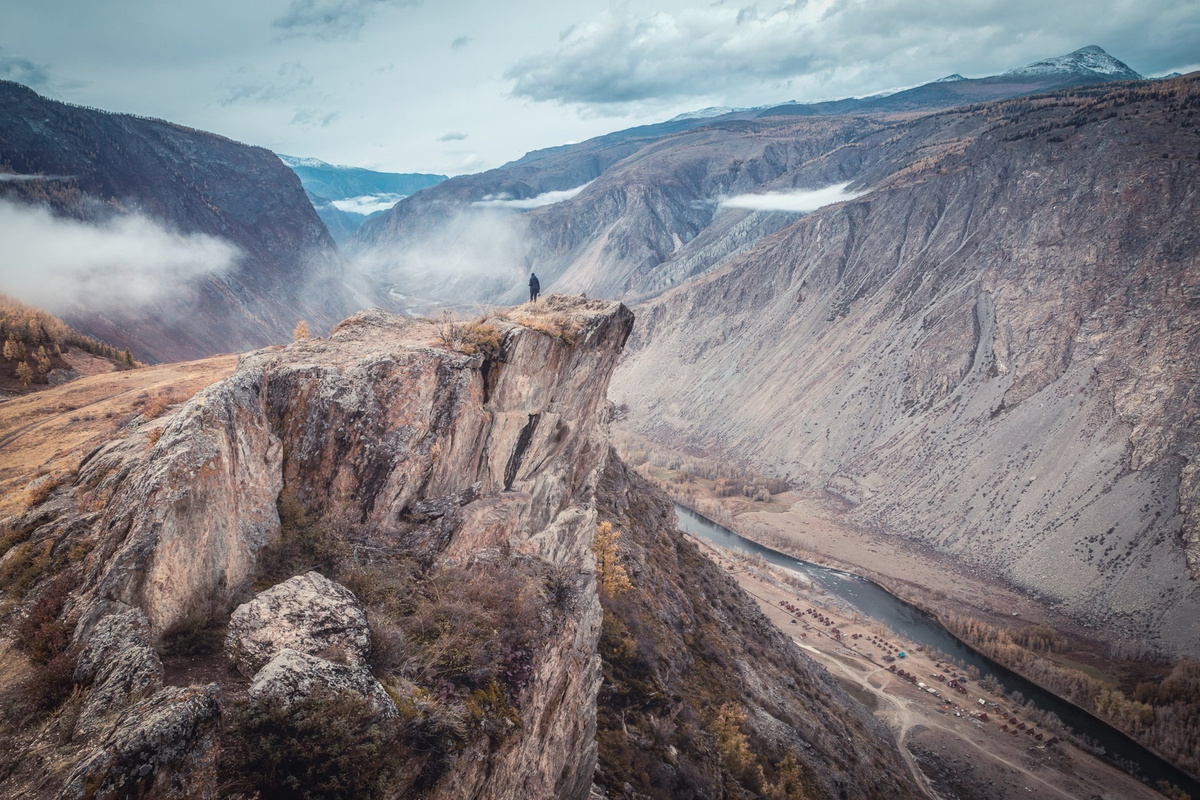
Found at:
<point>614,236</point>
<point>113,166</point>
<point>1089,64</point>
<point>346,196</point>
<point>337,182</point>
<point>1086,65</point>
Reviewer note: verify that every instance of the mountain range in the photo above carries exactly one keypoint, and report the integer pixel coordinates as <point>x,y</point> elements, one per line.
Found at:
<point>344,197</point>
<point>915,288</point>
<point>647,196</point>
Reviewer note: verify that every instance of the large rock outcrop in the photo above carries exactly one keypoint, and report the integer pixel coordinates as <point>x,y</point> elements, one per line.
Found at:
<point>447,476</point>
<point>453,456</point>
<point>308,613</point>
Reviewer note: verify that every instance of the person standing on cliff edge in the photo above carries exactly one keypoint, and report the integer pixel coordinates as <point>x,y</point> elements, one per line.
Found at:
<point>535,287</point>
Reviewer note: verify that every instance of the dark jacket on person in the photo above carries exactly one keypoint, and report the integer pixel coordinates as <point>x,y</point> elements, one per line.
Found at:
<point>534,285</point>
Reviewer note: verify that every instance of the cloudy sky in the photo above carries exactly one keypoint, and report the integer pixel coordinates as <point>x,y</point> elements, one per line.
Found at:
<point>453,86</point>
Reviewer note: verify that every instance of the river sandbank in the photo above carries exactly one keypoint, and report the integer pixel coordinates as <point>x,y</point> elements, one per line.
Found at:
<point>954,745</point>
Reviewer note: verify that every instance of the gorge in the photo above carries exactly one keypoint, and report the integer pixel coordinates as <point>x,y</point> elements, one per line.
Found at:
<point>433,553</point>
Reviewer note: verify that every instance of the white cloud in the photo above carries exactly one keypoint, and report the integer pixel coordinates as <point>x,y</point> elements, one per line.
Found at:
<point>525,203</point>
<point>800,201</point>
<point>15,177</point>
<point>291,81</point>
<point>368,203</point>
<point>22,70</point>
<point>129,261</point>
<point>470,254</point>
<point>311,118</point>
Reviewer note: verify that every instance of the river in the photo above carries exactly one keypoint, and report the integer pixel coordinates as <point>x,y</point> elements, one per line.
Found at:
<point>872,601</point>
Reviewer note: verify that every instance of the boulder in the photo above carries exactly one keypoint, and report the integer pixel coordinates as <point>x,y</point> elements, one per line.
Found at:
<point>164,747</point>
<point>120,666</point>
<point>309,614</point>
<point>292,675</point>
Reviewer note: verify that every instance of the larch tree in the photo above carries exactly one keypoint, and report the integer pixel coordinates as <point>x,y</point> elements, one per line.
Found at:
<point>610,573</point>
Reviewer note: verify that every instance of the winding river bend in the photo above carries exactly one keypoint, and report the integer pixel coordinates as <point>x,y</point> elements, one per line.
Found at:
<point>917,626</point>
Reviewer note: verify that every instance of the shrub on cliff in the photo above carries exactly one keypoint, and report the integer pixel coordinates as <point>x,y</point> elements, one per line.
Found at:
<point>304,544</point>
<point>326,746</point>
<point>610,573</point>
<point>46,639</point>
<point>472,338</point>
<point>471,627</point>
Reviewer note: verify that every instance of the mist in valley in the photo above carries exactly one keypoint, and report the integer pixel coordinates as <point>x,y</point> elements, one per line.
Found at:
<point>124,262</point>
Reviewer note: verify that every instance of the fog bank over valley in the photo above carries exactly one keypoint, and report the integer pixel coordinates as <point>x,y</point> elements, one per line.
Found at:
<point>122,263</point>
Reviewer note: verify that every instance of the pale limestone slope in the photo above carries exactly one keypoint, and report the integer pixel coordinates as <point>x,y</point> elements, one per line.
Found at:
<point>992,353</point>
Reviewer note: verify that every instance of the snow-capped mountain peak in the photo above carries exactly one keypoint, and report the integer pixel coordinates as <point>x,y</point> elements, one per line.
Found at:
<point>1091,59</point>
<point>301,161</point>
<point>707,113</point>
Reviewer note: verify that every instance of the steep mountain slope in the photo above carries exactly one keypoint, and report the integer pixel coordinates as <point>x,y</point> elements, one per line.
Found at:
<point>988,353</point>
<point>647,197</point>
<point>685,656</point>
<point>107,166</point>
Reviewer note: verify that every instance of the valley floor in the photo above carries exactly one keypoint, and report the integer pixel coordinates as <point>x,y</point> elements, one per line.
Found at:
<point>951,750</point>
<point>809,522</point>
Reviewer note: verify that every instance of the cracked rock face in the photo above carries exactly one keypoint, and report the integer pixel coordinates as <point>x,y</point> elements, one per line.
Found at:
<point>163,747</point>
<point>291,676</point>
<point>308,613</point>
<point>119,664</point>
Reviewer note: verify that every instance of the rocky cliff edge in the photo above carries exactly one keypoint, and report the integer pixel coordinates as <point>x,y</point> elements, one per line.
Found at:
<point>364,567</point>
<point>456,444</point>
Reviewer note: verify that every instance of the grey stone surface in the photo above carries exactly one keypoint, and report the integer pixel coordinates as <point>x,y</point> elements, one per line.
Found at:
<point>163,747</point>
<point>308,613</point>
<point>292,675</point>
<point>119,665</point>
